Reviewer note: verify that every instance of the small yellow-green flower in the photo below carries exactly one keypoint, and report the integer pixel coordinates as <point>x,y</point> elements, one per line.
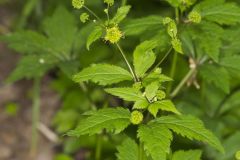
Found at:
<point>113,34</point>
<point>109,2</point>
<point>136,117</point>
<point>237,155</point>
<point>84,17</point>
<point>195,17</point>
<point>78,4</point>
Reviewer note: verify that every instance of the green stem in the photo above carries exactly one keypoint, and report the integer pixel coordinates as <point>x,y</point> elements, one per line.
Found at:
<point>172,72</point>
<point>141,152</point>
<point>160,62</point>
<point>98,147</point>
<point>124,2</point>
<point>35,114</point>
<point>128,64</point>
<point>182,83</point>
<point>93,13</point>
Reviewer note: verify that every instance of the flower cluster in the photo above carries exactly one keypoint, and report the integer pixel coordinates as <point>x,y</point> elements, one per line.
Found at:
<point>78,4</point>
<point>84,17</point>
<point>136,117</point>
<point>109,2</point>
<point>113,34</point>
<point>194,17</point>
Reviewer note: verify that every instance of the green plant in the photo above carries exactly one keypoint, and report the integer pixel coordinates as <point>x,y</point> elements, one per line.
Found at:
<point>174,70</point>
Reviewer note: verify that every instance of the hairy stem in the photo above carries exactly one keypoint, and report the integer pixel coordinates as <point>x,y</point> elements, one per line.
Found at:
<point>128,64</point>
<point>172,72</point>
<point>183,82</point>
<point>98,147</point>
<point>35,115</point>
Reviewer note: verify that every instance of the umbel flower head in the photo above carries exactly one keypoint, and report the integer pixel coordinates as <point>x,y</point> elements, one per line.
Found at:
<point>136,117</point>
<point>113,34</point>
<point>109,2</point>
<point>195,17</point>
<point>84,17</point>
<point>78,4</point>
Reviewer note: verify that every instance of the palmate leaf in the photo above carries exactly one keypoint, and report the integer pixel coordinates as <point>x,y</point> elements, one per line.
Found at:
<point>95,35</point>
<point>216,75</point>
<point>123,150</point>
<point>112,119</point>
<point>121,14</point>
<point>187,155</point>
<point>127,94</point>
<point>164,105</point>
<point>143,57</point>
<point>137,26</point>
<point>219,11</point>
<point>189,127</point>
<point>104,74</point>
<point>156,140</point>
<point>61,29</point>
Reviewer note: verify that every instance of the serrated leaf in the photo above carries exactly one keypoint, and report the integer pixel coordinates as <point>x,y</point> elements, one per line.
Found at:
<point>111,119</point>
<point>156,140</point>
<point>165,105</point>
<point>61,30</point>
<point>141,104</point>
<point>127,94</point>
<point>123,150</point>
<point>209,40</point>
<point>137,26</point>
<point>187,155</point>
<point>121,14</point>
<point>31,67</point>
<point>231,62</point>
<point>155,77</point>
<point>94,35</point>
<point>27,42</point>
<point>104,74</point>
<point>191,128</point>
<point>220,12</point>
<point>216,75</point>
<point>143,57</point>
<point>151,90</point>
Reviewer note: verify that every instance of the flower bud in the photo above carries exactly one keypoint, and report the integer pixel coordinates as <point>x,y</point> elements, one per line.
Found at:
<point>136,117</point>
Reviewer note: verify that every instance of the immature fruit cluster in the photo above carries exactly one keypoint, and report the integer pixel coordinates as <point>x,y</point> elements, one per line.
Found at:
<point>113,34</point>
<point>195,17</point>
<point>136,117</point>
<point>78,4</point>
